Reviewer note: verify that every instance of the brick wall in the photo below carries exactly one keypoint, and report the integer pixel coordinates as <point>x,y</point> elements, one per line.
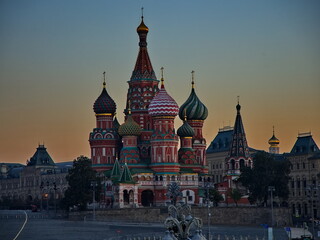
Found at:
<point>220,215</point>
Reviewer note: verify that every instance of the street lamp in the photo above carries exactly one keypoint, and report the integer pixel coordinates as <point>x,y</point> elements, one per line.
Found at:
<point>93,185</point>
<point>271,189</point>
<point>48,195</point>
<point>55,203</point>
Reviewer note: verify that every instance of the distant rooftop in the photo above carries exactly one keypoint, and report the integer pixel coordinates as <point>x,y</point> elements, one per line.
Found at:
<point>304,144</point>
<point>41,158</point>
<point>222,142</point>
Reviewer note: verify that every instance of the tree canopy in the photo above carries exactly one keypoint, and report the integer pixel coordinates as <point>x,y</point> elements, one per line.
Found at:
<point>235,195</point>
<point>267,171</point>
<point>215,196</point>
<point>80,177</point>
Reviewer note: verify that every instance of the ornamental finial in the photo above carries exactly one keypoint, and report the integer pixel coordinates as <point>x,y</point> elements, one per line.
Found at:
<point>142,12</point>
<point>192,77</point>
<point>162,80</point>
<point>104,79</point>
<point>129,108</point>
<point>185,115</point>
<point>238,97</point>
<point>273,130</point>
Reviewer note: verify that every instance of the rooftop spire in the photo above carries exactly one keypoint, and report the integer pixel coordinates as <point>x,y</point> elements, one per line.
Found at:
<point>143,69</point>
<point>238,107</point>
<point>129,108</point>
<point>162,80</point>
<point>192,77</point>
<point>104,79</point>
<point>239,146</point>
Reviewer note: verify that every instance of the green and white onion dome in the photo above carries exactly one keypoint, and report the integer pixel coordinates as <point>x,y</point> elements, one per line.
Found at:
<point>193,108</point>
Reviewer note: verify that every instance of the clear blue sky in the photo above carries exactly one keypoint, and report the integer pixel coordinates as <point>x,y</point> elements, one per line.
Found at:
<point>53,53</point>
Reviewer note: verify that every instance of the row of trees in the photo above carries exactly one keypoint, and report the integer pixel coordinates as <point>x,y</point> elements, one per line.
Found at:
<point>266,171</point>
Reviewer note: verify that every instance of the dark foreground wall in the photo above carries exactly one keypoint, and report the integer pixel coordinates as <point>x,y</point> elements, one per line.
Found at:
<point>220,215</point>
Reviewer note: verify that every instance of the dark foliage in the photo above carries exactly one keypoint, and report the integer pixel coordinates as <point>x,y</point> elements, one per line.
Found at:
<point>80,177</point>
<point>215,196</point>
<point>266,172</point>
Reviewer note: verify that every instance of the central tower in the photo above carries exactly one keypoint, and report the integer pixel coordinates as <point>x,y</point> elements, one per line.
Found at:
<point>143,86</point>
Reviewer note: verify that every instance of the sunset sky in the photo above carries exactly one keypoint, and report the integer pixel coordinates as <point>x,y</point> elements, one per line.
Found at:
<point>53,54</point>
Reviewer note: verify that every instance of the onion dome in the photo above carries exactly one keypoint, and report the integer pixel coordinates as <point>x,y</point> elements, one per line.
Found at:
<point>163,104</point>
<point>273,140</point>
<point>104,103</point>
<point>142,28</point>
<point>194,108</point>
<point>130,127</point>
<point>185,130</point>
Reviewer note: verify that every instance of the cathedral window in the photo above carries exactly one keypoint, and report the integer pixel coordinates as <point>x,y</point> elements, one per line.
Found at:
<point>103,151</point>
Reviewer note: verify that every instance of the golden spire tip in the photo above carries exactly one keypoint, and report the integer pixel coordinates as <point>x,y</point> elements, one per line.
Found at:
<point>129,108</point>
<point>162,80</point>
<point>185,115</point>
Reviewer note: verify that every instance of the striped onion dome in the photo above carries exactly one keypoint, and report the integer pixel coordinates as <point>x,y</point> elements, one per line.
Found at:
<point>194,108</point>
<point>163,104</point>
<point>185,130</point>
<point>129,128</point>
<point>104,103</point>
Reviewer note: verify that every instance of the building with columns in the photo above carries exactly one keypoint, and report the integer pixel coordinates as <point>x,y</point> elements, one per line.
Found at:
<point>41,182</point>
<point>145,148</point>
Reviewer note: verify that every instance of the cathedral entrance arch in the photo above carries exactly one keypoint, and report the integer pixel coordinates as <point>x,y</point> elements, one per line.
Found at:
<point>147,198</point>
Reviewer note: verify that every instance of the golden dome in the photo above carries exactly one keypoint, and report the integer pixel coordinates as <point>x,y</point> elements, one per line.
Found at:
<point>142,27</point>
<point>273,140</point>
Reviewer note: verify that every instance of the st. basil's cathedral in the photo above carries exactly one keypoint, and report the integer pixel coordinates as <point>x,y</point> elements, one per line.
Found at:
<point>142,156</point>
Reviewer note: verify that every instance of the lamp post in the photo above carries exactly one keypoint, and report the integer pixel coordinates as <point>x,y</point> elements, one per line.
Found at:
<point>93,185</point>
<point>55,203</point>
<point>41,188</point>
<point>271,189</point>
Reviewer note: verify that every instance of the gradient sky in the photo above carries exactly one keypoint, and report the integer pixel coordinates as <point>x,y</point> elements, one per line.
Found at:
<point>53,53</point>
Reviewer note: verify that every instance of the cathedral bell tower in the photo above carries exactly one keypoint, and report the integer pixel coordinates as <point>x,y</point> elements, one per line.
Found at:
<point>143,86</point>
<point>239,151</point>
